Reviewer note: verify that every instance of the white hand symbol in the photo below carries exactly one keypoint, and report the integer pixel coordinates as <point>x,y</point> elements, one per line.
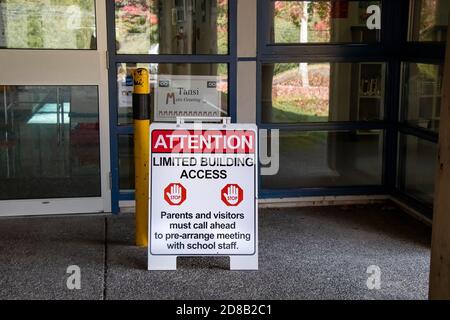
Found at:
<point>232,195</point>
<point>175,194</point>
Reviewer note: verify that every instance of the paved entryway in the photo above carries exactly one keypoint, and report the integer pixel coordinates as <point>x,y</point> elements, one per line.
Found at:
<point>305,253</point>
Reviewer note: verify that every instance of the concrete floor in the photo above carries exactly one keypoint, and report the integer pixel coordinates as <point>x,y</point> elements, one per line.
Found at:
<point>305,253</point>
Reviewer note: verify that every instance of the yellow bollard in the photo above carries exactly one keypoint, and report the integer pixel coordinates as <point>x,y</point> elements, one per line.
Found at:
<point>141,116</point>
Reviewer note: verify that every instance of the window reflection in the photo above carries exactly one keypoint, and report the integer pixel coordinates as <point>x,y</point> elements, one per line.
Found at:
<point>429,20</point>
<point>126,163</point>
<point>172,27</point>
<point>322,21</point>
<point>41,24</point>
<point>49,142</point>
<point>328,159</point>
<point>422,95</point>
<point>417,166</point>
<point>321,92</point>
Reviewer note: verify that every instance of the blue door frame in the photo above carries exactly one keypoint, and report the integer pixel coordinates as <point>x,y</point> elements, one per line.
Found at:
<point>117,130</point>
<point>393,50</point>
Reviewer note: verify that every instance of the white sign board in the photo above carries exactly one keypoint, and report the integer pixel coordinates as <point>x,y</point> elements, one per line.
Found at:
<point>187,96</point>
<point>203,199</point>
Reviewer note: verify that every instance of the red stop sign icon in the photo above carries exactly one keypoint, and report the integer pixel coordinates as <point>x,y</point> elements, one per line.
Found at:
<point>175,194</point>
<point>232,195</point>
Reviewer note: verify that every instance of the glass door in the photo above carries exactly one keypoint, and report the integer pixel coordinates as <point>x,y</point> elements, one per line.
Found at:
<point>188,44</point>
<point>54,121</point>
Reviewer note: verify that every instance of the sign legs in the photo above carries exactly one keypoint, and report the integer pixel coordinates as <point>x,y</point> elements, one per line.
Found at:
<point>156,263</point>
<point>162,262</point>
<point>244,262</point>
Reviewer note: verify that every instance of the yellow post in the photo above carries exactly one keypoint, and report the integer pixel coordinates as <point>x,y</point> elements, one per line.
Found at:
<point>141,116</point>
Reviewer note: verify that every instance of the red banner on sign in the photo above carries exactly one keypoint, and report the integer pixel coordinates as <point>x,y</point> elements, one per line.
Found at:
<point>203,141</point>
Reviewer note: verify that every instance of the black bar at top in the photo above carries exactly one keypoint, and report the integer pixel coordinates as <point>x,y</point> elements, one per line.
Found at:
<point>141,106</point>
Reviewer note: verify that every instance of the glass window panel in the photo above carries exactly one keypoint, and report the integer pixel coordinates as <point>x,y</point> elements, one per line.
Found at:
<point>328,159</point>
<point>126,162</point>
<point>323,22</point>
<point>42,24</point>
<point>49,142</point>
<point>417,167</point>
<point>421,101</point>
<point>172,27</point>
<point>177,90</point>
<point>321,92</point>
<point>429,20</point>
